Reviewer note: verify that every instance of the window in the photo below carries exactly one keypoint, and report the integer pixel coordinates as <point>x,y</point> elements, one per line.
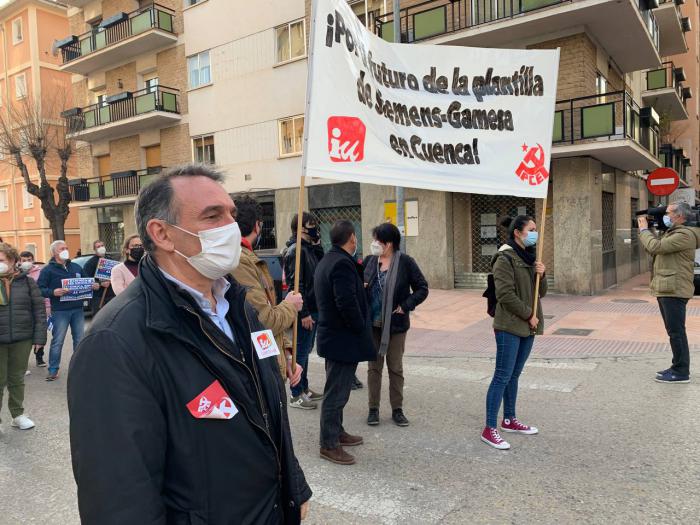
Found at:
<point>199,69</point>
<point>30,247</point>
<point>204,149</point>
<point>291,41</point>
<point>3,200</point>
<point>601,84</point>
<point>291,136</point>
<point>20,86</point>
<point>27,198</point>
<point>152,84</point>
<point>17,33</point>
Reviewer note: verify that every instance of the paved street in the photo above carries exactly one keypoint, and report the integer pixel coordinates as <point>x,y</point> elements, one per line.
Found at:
<point>614,446</point>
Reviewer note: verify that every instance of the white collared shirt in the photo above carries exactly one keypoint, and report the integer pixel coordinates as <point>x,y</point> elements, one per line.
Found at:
<point>219,289</point>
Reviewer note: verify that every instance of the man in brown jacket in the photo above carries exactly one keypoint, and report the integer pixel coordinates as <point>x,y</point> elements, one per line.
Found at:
<point>673,253</point>
<point>252,273</point>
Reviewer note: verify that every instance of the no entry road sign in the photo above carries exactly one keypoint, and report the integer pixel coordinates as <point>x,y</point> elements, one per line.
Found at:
<point>662,181</point>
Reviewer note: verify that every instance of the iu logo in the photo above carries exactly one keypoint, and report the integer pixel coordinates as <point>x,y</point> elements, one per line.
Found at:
<point>346,139</point>
<point>532,169</point>
<point>264,341</point>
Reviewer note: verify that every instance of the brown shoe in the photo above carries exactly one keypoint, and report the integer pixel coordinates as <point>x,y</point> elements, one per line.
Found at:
<point>348,440</point>
<point>337,455</point>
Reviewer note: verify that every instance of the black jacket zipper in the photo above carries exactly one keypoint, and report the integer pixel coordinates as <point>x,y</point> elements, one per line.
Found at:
<point>260,400</point>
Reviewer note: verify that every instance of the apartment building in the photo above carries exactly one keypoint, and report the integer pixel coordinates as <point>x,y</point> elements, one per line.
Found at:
<point>129,83</point>
<point>30,75</point>
<point>628,72</point>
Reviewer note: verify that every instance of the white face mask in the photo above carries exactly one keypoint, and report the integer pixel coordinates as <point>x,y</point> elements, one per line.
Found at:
<point>4,268</point>
<point>101,251</point>
<point>376,248</point>
<point>64,255</point>
<point>26,266</point>
<point>221,251</point>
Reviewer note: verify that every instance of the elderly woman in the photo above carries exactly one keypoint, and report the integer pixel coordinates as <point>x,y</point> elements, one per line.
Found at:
<point>22,325</point>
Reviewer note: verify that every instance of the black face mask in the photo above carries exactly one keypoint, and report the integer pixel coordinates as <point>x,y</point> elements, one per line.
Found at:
<point>136,254</point>
<point>313,233</point>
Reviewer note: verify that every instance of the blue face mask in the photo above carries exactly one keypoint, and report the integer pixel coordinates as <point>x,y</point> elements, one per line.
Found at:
<point>667,221</point>
<point>531,239</point>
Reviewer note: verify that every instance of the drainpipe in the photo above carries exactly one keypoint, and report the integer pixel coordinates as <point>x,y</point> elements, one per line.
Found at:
<point>13,193</point>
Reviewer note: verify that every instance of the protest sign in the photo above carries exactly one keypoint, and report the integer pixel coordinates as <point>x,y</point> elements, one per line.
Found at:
<point>79,289</point>
<point>104,269</point>
<point>445,118</point>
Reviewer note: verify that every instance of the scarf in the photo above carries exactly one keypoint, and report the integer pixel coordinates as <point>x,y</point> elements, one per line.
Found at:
<point>5,285</point>
<point>388,301</point>
<point>528,255</point>
<point>132,266</point>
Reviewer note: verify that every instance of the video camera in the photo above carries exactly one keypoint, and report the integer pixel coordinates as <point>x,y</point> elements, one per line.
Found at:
<point>655,216</point>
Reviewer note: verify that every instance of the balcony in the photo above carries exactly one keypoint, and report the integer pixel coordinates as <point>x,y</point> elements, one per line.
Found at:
<point>124,185</point>
<point>676,159</point>
<point>625,28</point>
<point>118,38</point>
<point>611,128</point>
<point>671,25</point>
<point>124,114</point>
<point>77,3</point>
<point>663,89</point>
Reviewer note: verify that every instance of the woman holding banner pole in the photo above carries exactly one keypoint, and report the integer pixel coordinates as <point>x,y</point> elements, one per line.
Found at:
<point>518,277</point>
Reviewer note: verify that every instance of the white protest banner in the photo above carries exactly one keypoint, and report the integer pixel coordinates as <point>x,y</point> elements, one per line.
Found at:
<point>104,268</point>
<point>78,289</point>
<point>436,117</point>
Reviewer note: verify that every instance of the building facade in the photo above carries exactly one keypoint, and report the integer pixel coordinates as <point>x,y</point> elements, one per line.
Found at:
<point>130,84</point>
<point>31,77</point>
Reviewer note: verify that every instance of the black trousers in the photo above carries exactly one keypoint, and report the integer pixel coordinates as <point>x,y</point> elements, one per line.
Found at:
<point>339,379</point>
<point>673,313</point>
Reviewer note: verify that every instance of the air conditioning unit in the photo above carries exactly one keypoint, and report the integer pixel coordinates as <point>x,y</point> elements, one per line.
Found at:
<point>687,93</point>
<point>679,73</point>
<point>686,25</point>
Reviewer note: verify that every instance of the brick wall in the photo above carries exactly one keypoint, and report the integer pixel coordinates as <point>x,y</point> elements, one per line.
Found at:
<point>172,72</point>
<point>112,7</point>
<point>175,5</point>
<point>127,73</point>
<point>80,93</point>
<point>175,145</point>
<point>577,65</point>
<point>125,154</point>
<point>77,24</point>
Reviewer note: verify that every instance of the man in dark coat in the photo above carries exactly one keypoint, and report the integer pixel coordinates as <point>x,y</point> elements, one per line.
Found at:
<point>344,336</point>
<point>176,403</point>
<point>106,294</point>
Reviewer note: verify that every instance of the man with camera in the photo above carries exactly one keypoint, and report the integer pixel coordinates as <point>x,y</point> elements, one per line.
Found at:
<point>673,253</point>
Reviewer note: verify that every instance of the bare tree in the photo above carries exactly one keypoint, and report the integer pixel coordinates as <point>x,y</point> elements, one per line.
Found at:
<point>34,132</point>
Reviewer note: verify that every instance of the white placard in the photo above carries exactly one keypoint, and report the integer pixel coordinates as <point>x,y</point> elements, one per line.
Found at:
<point>447,118</point>
<point>265,344</point>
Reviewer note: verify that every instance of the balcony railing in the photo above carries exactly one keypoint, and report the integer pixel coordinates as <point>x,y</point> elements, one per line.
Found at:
<point>668,76</point>
<point>122,184</point>
<point>612,116</point>
<point>116,29</point>
<point>123,106</point>
<point>438,17</point>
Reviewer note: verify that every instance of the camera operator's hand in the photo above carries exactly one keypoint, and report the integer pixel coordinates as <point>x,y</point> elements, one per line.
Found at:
<point>643,222</point>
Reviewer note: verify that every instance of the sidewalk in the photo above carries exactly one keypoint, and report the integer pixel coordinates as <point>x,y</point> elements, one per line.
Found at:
<point>621,322</point>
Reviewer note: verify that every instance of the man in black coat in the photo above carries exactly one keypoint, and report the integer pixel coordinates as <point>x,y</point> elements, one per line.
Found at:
<point>344,336</point>
<point>176,404</point>
<point>106,294</point>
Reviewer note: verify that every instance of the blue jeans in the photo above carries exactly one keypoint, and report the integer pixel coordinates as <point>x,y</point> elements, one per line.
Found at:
<point>74,318</point>
<point>305,343</point>
<point>511,353</point>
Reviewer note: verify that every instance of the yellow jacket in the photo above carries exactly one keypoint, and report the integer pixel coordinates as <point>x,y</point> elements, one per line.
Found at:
<point>254,275</point>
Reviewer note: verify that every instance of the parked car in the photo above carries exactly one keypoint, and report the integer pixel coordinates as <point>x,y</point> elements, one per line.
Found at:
<point>80,261</point>
<point>276,268</point>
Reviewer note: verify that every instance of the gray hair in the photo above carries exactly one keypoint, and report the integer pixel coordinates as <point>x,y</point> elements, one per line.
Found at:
<point>156,201</point>
<point>683,209</point>
<point>54,245</point>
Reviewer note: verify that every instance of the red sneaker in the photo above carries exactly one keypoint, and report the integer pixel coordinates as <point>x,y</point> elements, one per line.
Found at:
<point>513,425</point>
<point>490,436</point>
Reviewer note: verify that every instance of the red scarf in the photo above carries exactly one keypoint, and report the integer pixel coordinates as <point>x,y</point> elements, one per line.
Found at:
<point>246,244</point>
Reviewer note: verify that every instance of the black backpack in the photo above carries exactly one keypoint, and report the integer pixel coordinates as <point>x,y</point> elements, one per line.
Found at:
<point>490,293</point>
